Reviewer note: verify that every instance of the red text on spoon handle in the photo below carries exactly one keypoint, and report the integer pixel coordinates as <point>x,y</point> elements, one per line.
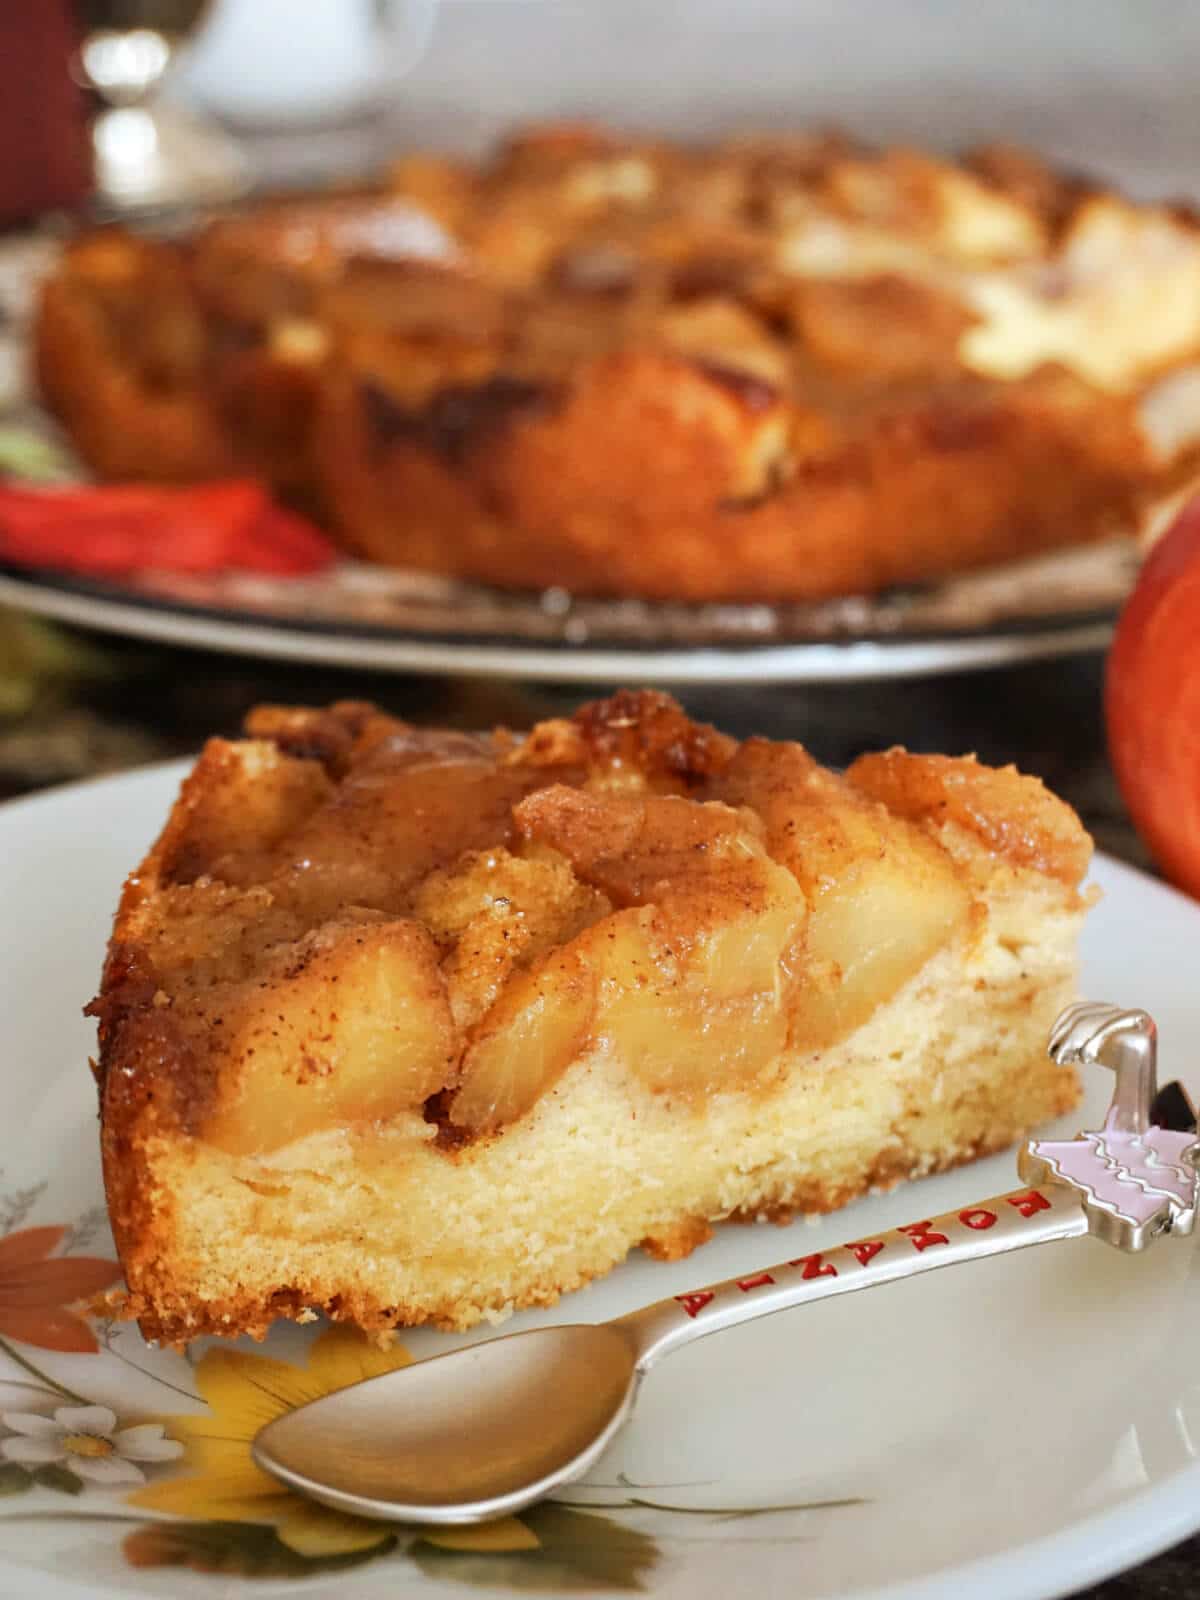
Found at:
<point>988,1227</point>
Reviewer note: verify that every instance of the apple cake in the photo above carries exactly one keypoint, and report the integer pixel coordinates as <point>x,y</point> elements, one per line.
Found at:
<point>407,1026</point>
<point>777,368</point>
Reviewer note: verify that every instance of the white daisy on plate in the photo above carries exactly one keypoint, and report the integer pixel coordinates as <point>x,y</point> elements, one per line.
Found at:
<point>86,1441</point>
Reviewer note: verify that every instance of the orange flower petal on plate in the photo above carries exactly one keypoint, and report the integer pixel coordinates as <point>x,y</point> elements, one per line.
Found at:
<point>31,1244</point>
<point>37,1288</point>
<point>56,1282</point>
<point>48,1327</point>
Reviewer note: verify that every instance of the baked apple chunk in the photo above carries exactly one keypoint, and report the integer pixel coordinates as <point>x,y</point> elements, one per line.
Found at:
<point>883,895</point>
<point>691,978</point>
<point>357,1026</point>
<point>410,1026</point>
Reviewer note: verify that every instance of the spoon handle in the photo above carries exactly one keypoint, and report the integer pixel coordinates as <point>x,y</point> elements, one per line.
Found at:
<point>988,1228</point>
<point>1129,1182</point>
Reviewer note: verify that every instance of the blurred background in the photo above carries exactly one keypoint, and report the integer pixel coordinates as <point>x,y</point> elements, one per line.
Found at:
<point>1100,84</point>
<point>149,109</point>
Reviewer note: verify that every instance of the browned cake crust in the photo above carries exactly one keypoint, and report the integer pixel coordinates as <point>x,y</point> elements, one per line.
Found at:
<point>412,1026</point>
<point>779,368</point>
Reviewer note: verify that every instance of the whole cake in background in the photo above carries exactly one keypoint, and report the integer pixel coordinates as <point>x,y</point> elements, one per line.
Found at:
<point>779,367</point>
<point>414,1026</point>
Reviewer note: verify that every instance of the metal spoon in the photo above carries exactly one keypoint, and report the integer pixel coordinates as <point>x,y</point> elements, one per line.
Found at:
<point>486,1430</point>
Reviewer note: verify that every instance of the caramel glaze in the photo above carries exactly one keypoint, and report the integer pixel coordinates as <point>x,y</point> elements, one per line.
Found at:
<point>545,883</point>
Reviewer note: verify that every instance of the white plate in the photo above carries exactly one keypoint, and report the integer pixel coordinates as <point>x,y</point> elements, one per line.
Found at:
<point>1012,1430</point>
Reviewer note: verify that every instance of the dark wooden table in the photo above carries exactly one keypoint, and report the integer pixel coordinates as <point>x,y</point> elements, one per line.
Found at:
<point>107,706</point>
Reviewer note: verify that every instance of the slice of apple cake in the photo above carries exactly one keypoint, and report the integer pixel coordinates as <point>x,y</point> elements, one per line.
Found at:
<point>412,1026</point>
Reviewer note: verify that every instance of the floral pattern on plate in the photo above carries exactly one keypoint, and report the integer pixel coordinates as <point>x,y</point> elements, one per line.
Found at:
<point>216,1511</point>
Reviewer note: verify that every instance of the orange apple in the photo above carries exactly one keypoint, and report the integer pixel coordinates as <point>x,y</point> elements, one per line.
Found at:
<point>1152,701</point>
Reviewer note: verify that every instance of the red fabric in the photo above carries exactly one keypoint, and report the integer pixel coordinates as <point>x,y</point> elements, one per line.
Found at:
<point>47,160</point>
<point>114,529</point>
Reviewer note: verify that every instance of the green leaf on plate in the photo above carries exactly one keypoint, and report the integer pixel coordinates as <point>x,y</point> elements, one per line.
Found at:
<point>35,655</point>
<point>13,1479</point>
<point>249,1549</point>
<point>24,453</point>
<point>581,1553</point>
<point>52,1476</point>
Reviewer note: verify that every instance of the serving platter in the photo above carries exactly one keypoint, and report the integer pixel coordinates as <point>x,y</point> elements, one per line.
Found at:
<point>374,618</point>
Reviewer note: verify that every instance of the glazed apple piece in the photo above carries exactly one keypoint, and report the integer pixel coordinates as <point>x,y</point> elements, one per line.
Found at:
<point>526,1002</point>
<point>635,740</point>
<point>334,735</point>
<point>411,806</point>
<point>883,896</point>
<point>497,914</point>
<point>530,1036</point>
<point>630,843</point>
<point>677,1031</point>
<point>692,973</point>
<point>235,808</point>
<point>355,1026</point>
<point>1014,815</point>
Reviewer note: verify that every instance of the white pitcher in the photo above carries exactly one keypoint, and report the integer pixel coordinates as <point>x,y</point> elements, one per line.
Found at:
<point>299,63</point>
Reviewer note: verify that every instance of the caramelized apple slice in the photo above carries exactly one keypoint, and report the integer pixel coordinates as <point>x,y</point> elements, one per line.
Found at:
<point>630,845</point>
<point>695,1020</point>
<point>636,739</point>
<point>356,1027</point>
<point>501,913</point>
<point>1014,815</point>
<point>694,976</point>
<point>414,804</point>
<point>332,735</point>
<point>527,1040</point>
<point>870,932</point>
<point>237,805</point>
<point>883,895</point>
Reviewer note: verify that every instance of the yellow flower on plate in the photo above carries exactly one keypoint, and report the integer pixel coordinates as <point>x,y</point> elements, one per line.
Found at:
<point>244,1391</point>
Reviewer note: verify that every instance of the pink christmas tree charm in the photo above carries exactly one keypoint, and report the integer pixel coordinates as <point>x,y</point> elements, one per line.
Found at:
<point>1136,1180</point>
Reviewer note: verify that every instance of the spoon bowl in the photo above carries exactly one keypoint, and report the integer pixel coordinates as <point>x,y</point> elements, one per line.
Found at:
<point>464,1437</point>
